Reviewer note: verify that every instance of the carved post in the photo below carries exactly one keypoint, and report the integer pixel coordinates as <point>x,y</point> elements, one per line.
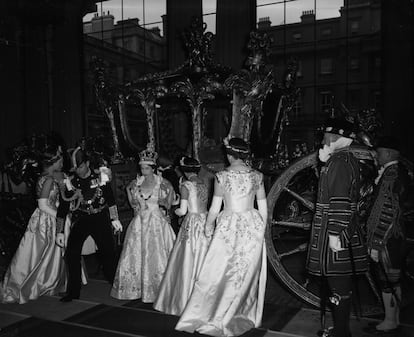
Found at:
<point>250,87</point>
<point>149,107</point>
<point>124,123</point>
<point>117,157</point>
<point>107,101</point>
<point>195,95</point>
<point>147,98</point>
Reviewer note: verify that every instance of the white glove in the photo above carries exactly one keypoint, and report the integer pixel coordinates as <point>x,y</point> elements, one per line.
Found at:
<point>374,255</point>
<point>105,175</point>
<point>68,183</point>
<point>183,208</point>
<point>335,243</point>
<point>116,224</point>
<point>44,206</point>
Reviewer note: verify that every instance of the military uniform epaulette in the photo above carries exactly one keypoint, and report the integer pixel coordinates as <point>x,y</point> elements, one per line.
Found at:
<point>390,173</point>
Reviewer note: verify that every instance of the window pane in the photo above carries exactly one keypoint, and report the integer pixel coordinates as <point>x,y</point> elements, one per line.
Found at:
<point>300,10</point>
<point>209,14</point>
<point>326,66</point>
<point>275,13</point>
<point>328,8</point>
<point>154,10</point>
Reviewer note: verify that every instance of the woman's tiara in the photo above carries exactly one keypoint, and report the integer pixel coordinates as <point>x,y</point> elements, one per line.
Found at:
<point>232,148</point>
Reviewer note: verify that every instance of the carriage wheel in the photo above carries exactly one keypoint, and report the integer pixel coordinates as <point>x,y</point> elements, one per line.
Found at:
<point>290,206</point>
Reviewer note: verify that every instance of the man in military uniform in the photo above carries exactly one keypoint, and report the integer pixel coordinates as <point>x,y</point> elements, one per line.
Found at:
<point>385,229</point>
<point>337,250</point>
<point>96,215</point>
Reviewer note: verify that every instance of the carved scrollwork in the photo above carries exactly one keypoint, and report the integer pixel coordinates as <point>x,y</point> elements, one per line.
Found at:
<point>146,97</point>
<point>195,94</point>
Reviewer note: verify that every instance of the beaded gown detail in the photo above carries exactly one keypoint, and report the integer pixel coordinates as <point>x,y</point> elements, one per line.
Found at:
<point>37,268</point>
<point>228,295</point>
<point>148,242</point>
<point>188,253</point>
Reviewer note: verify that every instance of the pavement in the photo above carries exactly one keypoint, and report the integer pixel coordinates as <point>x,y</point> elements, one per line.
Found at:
<point>97,314</point>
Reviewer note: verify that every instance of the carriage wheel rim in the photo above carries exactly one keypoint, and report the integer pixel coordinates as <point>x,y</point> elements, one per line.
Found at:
<point>273,256</point>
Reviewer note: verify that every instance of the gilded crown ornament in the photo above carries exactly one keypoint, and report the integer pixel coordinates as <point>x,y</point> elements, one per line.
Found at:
<point>148,156</point>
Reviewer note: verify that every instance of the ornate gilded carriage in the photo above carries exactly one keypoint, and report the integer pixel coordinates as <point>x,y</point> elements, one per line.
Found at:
<point>197,83</point>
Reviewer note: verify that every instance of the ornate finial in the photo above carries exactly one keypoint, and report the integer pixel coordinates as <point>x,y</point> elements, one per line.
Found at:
<point>148,156</point>
<point>259,46</point>
<point>198,45</point>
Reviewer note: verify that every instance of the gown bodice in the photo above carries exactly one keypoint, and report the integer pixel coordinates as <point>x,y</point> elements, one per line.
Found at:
<point>239,189</point>
<point>145,198</point>
<point>53,199</point>
<point>198,196</point>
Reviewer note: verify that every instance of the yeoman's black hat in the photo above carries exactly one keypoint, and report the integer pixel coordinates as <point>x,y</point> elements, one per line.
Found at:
<point>341,127</point>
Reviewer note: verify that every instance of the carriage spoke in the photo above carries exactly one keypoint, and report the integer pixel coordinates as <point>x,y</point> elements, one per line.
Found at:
<point>301,248</point>
<point>300,225</point>
<point>308,204</point>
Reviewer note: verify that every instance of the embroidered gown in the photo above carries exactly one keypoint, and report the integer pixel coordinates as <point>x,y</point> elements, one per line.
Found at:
<point>148,242</point>
<point>187,255</point>
<point>228,295</point>
<point>37,268</point>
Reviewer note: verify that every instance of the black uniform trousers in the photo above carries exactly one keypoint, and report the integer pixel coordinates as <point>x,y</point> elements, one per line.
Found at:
<point>99,227</point>
<point>341,312</point>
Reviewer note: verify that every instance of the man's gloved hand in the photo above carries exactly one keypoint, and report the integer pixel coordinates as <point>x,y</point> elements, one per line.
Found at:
<point>374,255</point>
<point>116,224</point>
<point>335,243</point>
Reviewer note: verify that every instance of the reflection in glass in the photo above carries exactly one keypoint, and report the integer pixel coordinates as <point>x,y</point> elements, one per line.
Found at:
<point>209,14</point>
<point>290,11</point>
<point>148,12</point>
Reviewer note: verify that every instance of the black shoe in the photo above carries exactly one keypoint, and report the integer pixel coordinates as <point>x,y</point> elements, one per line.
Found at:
<point>68,298</point>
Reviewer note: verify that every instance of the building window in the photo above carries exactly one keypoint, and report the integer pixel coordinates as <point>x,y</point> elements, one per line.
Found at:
<point>297,109</point>
<point>354,27</point>
<point>127,44</point>
<point>354,99</point>
<point>326,101</point>
<point>326,32</point>
<point>297,36</point>
<point>326,66</point>
<point>354,64</point>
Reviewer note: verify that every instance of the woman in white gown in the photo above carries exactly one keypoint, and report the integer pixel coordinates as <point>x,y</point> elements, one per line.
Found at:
<point>149,238</point>
<point>38,268</point>
<point>228,295</point>
<point>191,244</point>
